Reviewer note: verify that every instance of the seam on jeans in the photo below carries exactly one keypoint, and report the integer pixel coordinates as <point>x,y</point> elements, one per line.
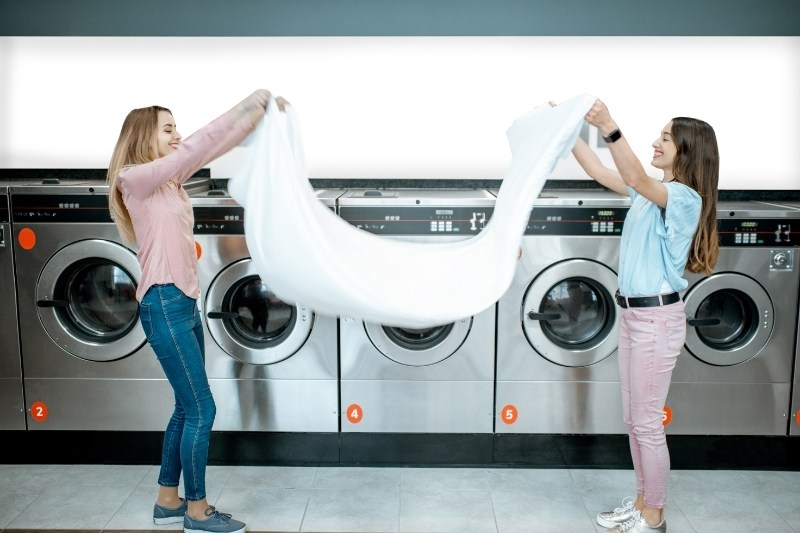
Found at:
<point>176,344</point>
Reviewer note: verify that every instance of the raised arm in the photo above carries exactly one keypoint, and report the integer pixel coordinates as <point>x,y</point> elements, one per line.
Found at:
<point>628,165</point>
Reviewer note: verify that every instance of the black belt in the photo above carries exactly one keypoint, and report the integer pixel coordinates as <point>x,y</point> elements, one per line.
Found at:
<point>647,301</point>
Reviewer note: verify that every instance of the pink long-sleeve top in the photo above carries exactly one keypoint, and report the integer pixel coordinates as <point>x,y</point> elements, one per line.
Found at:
<point>160,208</point>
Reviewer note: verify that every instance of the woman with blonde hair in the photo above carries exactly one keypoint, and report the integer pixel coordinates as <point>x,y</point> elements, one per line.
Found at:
<point>670,227</point>
<point>153,212</point>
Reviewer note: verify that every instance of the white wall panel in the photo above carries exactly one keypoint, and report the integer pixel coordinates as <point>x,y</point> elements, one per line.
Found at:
<point>404,107</point>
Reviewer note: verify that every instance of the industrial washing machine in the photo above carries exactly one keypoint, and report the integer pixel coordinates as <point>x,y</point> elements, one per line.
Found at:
<point>734,375</point>
<point>86,363</point>
<point>276,364</point>
<point>794,411</point>
<point>12,401</point>
<point>428,380</point>
<point>557,324</point>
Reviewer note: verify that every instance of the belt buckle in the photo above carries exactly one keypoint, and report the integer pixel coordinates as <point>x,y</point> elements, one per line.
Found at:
<point>621,300</point>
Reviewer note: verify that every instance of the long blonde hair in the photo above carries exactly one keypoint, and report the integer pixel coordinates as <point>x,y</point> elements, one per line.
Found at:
<point>697,165</point>
<point>134,147</point>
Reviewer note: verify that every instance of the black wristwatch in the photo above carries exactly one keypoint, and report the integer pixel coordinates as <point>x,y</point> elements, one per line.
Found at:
<point>613,136</point>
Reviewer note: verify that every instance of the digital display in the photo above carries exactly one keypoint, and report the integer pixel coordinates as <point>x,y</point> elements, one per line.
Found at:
<point>748,224</point>
<point>606,213</point>
<point>444,212</point>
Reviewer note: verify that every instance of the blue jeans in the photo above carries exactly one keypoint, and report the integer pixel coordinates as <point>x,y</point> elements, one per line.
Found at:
<point>172,324</point>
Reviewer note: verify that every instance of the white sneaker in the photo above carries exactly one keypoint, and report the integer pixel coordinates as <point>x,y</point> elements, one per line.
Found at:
<point>638,524</point>
<point>618,516</point>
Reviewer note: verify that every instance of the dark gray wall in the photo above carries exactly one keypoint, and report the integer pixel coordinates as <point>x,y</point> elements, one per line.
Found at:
<point>397,17</point>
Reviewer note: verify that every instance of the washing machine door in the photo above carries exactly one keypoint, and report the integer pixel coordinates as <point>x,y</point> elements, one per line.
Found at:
<point>86,300</point>
<point>418,346</point>
<point>249,322</point>
<point>731,318</point>
<point>568,313</point>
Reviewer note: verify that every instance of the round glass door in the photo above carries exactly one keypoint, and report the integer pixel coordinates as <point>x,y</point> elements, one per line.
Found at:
<point>568,313</point>
<point>249,322</point>
<point>86,300</point>
<point>418,346</point>
<point>731,318</point>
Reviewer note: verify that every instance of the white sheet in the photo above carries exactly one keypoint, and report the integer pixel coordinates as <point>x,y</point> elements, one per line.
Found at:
<point>307,255</point>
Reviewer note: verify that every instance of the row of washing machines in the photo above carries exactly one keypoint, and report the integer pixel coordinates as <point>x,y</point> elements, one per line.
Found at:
<point>541,360</point>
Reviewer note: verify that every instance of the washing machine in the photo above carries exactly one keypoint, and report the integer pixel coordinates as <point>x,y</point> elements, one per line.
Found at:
<point>734,376</point>
<point>12,402</point>
<point>274,363</point>
<point>423,380</point>
<point>557,325</point>
<point>794,411</point>
<point>86,363</point>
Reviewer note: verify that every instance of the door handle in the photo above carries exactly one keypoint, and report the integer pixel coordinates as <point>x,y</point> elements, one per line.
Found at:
<point>543,316</point>
<point>222,314</point>
<point>696,322</point>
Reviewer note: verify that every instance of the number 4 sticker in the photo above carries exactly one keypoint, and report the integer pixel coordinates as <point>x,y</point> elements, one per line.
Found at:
<point>354,413</point>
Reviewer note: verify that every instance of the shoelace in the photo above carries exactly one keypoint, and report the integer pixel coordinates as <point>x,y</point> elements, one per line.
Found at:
<point>212,512</point>
<point>632,523</point>
<point>627,504</point>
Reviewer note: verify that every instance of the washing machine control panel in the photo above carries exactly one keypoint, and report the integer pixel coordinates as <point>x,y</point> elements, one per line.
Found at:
<point>418,220</point>
<point>583,221</point>
<point>218,220</point>
<point>748,232</point>
<point>4,214</point>
<point>60,208</point>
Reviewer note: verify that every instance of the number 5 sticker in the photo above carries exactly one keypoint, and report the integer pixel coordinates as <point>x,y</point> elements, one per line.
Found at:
<point>509,414</point>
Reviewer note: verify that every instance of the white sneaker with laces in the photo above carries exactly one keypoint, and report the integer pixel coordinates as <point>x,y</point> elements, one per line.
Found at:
<point>619,515</point>
<point>637,524</point>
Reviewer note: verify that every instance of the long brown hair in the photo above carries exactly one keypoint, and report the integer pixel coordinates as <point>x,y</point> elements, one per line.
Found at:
<point>697,165</point>
<point>134,147</point>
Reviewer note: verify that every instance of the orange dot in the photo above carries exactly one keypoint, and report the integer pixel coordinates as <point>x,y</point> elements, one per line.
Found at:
<point>666,418</point>
<point>354,413</point>
<point>198,249</point>
<point>39,411</point>
<point>797,417</point>
<point>27,238</point>
<point>509,414</point>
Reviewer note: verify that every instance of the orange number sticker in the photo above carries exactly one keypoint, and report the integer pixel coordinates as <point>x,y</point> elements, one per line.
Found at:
<point>26,238</point>
<point>198,249</point>
<point>39,411</point>
<point>666,418</point>
<point>797,417</point>
<point>509,414</point>
<point>354,413</point>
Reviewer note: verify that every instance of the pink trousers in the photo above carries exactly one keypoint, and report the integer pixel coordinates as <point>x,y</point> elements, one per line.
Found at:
<point>650,340</point>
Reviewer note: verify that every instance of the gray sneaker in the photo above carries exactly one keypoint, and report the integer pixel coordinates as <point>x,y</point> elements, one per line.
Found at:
<point>216,523</point>
<point>165,515</point>
<point>638,524</point>
<point>620,515</point>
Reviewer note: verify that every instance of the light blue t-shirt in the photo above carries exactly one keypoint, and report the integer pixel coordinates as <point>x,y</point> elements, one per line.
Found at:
<point>655,245</point>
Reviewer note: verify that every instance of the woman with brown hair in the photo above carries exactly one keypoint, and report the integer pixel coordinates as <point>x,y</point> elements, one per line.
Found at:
<point>671,227</point>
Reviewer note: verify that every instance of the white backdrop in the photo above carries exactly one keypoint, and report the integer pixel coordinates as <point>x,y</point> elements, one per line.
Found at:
<point>404,107</point>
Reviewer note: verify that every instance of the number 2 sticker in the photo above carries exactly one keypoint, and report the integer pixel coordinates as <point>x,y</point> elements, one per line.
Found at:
<point>39,411</point>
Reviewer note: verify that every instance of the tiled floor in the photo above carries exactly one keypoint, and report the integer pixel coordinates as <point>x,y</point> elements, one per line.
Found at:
<point>403,500</point>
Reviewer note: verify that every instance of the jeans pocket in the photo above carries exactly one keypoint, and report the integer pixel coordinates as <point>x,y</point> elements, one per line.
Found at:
<point>145,317</point>
<point>676,334</point>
